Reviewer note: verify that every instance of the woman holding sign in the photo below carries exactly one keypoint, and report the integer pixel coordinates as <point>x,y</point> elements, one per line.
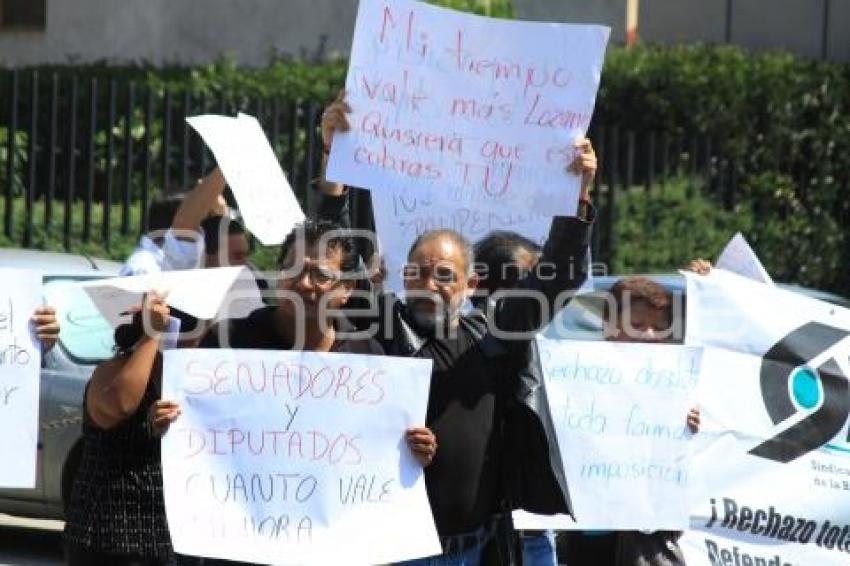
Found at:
<point>116,515</point>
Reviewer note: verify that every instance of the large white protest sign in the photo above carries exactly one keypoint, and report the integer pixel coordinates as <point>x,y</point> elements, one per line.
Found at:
<point>772,473</point>
<point>296,457</point>
<point>480,112</point>
<point>738,257</point>
<point>620,411</point>
<point>20,364</point>
<point>221,289</point>
<point>248,162</point>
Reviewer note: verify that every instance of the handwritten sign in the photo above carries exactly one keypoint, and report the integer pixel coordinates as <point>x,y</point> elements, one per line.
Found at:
<point>223,289</point>
<point>248,162</point>
<point>296,457</point>
<point>20,364</point>
<point>401,217</point>
<point>481,108</point>
<point>738,257</point>
<point>620,411</point>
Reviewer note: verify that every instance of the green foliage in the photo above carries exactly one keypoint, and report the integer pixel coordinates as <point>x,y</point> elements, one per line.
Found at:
<point>494,8</point>
<point>21,144</point>
<point>52,239</point>
<point>769,114</point>
<point>663,230</point>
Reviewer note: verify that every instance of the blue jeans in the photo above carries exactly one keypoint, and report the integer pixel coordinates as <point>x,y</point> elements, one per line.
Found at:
<point>539,550</point>
<point>471,557</point>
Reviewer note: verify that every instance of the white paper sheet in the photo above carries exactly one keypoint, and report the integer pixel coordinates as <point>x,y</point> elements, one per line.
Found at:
<point>619,411</point>
<point>296,457</point>
<point>484,112</point>
<point>20,366</point>
<point>202,293</point>
<point>249,165</point>
<point>738,257</point>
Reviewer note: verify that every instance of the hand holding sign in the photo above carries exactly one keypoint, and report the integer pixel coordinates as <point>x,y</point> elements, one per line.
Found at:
<point>46,326</point>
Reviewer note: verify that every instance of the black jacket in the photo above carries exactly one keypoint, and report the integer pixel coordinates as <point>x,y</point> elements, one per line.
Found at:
<point>534,475</point>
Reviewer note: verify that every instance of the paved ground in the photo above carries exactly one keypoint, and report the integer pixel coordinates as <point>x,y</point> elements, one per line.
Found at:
<point>26,542</point>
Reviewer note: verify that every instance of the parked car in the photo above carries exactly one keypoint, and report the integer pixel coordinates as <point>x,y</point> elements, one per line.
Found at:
<point>85,340</point>
<point>582,317</point>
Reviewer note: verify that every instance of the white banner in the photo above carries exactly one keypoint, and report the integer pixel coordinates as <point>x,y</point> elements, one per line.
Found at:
<point>248,162</point>
<point>296,457</point>
<point>20,366</point>
<point>772,475</point>
<point>478,112</point>
<point>620,412</point>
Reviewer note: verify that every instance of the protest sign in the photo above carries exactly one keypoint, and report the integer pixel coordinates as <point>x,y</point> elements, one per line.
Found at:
<point>20,365</point>
<point>480,112</point>
<point>619,411</point>
<point>248,162</point>
<point>401,218</point>
<point>223,288</point>
<point>772,464</point>
<point>738,257</point>
<point>296,457</point>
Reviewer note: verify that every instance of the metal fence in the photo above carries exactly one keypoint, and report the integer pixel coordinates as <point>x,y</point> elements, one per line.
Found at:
<point>86,154</point>
<point>85,146</point>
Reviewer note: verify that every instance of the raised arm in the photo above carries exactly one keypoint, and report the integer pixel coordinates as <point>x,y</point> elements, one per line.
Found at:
<point>332,198</point>
<point>118,386</point>
<point>563,266</point>
<point>200,202</point>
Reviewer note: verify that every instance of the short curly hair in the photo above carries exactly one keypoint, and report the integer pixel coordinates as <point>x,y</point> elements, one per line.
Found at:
<point>639,288</point>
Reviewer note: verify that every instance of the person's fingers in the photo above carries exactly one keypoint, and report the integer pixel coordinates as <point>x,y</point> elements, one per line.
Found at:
<point>45,310</point>
<point>166,416</point>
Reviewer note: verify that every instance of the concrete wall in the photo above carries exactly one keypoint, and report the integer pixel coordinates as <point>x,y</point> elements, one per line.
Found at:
<point>607,12</point>
<point>792,25</point>
<point>186,31</point>
<point>198,31</point>
<point>676,21</point>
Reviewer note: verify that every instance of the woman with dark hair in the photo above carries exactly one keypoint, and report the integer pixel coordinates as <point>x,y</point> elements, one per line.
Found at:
<point>116,514</point>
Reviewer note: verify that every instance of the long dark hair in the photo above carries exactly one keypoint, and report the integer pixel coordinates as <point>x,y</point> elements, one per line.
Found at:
<point>128,335</point>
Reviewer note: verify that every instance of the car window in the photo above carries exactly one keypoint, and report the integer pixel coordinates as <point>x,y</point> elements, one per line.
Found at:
<point>581,319</point>
<point>84,334</point>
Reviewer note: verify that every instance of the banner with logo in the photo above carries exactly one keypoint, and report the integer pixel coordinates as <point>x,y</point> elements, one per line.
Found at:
<point>772,468</point>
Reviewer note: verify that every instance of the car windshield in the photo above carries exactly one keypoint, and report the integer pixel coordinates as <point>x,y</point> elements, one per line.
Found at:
<point>85,335</point>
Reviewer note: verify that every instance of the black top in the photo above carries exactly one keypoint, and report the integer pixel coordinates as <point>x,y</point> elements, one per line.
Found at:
<point>258,331</point>
<point>116,503</point>
<point>464,412</point>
